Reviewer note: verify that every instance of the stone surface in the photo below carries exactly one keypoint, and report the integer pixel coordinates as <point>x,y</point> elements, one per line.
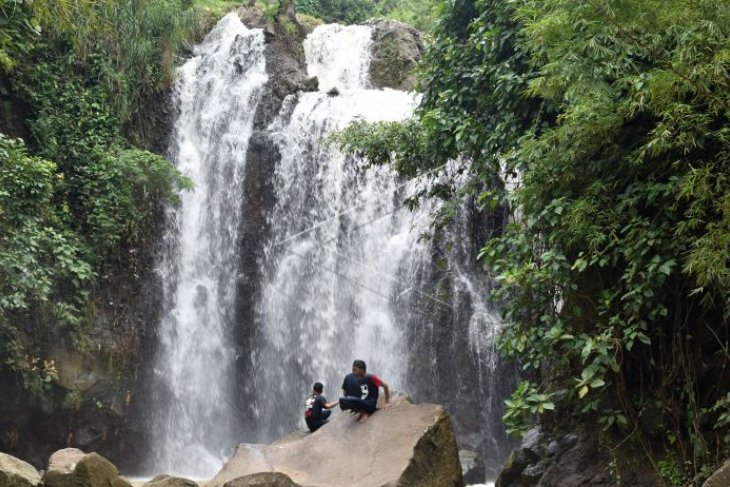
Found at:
<point>406,446</point>
<point>396,49</point>
<point>17,473</point>
<point>721,477</point>
<point>267,479</point>
<point>516,464</point>
<point>168,481</point>
<point>71,467</point>
<point>534,440</point>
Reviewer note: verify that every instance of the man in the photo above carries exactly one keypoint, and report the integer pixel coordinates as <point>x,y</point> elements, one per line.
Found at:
<point>361,391</point>
<point>316,408</point>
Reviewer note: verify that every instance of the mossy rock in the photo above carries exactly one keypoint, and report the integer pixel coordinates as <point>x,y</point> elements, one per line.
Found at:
<point>17,473</point>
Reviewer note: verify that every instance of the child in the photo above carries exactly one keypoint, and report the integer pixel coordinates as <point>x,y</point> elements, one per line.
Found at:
<point>316,408</point>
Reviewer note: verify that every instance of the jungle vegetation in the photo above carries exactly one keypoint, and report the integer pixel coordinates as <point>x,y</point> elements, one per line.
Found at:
<point>79,187</point>
<point>611,119</point>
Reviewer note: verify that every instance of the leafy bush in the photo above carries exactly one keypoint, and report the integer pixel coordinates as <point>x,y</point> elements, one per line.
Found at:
<point>615,273</point>
<point>80,195</point>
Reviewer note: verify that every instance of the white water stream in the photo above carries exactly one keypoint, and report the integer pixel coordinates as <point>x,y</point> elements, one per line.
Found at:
<point>217,94</point>
<point>338,238</point>
<point>343,273</point>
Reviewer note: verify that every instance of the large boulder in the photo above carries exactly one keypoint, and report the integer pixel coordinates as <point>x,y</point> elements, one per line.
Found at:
<point>17,473</point>
<point>267,479</point>
<point>407,446</point>
<point>168,481</point>
<point>72,467</point>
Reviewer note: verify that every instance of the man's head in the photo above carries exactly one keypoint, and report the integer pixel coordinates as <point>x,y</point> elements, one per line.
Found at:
<point>318,387</point>
<point>359,368</point>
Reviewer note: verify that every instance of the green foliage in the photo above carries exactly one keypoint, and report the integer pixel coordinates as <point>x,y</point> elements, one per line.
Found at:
<point>670,473</point>
<point>43,275</point>
<point>36,250</point>
<point>418,13</point>
<point>342,11</point>
<point>615,273</point>
<point>77,201</point>
<point>109,191</point>
<point>526,402</point>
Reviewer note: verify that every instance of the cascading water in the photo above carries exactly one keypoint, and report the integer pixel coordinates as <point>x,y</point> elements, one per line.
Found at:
<point>217,94</point>
<point>341,272</point>
<point>337,237</point>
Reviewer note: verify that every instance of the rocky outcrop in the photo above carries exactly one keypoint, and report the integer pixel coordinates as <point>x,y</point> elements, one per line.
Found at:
<point>17,473</point>
<point>268,479</point>
<point>569,460</point>
<point>167,481</point>
<point>397,47</point>
<point>72,467</point>
<point>285,61</point>
<point>721,477</point>
<point>406,446</point>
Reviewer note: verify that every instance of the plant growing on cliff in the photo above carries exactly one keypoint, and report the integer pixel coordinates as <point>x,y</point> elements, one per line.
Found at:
<point>615,275</point>
<point>76,201</point>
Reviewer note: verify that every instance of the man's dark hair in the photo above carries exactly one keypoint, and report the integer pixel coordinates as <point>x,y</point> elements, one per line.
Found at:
<point>318,387</point>
<point>360,364</point>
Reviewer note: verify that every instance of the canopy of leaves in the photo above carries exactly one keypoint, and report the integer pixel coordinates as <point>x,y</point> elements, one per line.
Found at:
<point>615,275</point>
<point>418,13</point>
<point>77,197</point>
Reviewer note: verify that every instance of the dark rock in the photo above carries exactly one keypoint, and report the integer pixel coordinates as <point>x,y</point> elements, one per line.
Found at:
<point>569,441</point>
<point>472,467</point>
<point>397,47</point>
<point>554,449</point>
<point>721,477</point>
<point>17,473</point>
<point>267,479</point>
<point>333,92</point>
<point>312,84</point>
<point>531,475</point>
<point>586,464</point>
<point>533,440</point>
<point>517,462</point>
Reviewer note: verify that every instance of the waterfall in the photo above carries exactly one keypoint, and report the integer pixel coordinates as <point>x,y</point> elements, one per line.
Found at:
<point>217,93</point>
<point>338,233</point>
<point>337,272</point>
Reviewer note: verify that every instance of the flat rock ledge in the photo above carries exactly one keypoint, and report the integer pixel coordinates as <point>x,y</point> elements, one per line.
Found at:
<point>407,446</point>
<point>17,473</point>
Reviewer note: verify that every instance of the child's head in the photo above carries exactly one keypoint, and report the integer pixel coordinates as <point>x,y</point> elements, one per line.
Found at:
<point>318,387</point>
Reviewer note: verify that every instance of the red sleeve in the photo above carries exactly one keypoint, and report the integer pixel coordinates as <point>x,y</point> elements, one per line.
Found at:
<point>376,380</point>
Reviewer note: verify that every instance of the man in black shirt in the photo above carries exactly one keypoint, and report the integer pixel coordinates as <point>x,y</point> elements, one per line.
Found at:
<point>316,408</point>
<point>361,391</point>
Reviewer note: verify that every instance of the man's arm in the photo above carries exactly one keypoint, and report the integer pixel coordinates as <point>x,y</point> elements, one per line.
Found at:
<point>386,389</point>
<point>330,405</point>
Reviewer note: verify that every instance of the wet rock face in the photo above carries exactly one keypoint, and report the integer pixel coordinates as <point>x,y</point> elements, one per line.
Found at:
<point>397,47</point>
<point>569,460</point>
<point>285,61</point>
<point>408,445</point>
<point>17,473</point>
